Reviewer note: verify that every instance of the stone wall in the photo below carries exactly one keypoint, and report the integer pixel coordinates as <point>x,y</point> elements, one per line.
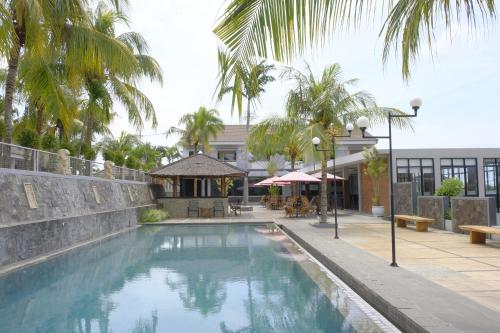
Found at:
<point>473,210</point>
<point>60,196</point>
<point>433,207</point>
<point>177,207</point>
<point>405,198</point>
<point>68,211</point>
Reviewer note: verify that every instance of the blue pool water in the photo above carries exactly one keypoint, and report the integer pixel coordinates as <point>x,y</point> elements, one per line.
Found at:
<point>179,279</point>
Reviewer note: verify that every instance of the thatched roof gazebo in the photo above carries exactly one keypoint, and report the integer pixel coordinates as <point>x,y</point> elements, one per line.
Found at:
<point>199,178</point>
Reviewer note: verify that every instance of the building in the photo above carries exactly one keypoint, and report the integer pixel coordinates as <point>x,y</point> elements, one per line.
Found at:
<point>478,168</point>
<point>230,146</point>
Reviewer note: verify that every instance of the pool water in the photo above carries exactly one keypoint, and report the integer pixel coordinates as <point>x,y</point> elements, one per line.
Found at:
<point>223,278</point>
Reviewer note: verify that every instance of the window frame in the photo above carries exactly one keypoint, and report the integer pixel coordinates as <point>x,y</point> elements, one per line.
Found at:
<point>464,166</point>
<point>496,166</point>
<point>421,167</point>
<point>224,151</point>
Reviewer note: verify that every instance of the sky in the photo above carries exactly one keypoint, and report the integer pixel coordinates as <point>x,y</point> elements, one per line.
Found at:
<point>459,82</point>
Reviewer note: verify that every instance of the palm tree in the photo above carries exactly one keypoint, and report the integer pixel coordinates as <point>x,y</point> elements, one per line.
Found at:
<point>199,128</point>
<point>171,153</point>
<point>324,105</point>
<point>242,82</point>
<point>104,81</point>
<point>253,28</point>
<point>277,135</point>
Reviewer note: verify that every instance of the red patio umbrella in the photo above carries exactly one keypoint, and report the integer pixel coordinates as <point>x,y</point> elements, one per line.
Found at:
<point>270,181</point>
<point>329,176</point>
<point>296,177</point>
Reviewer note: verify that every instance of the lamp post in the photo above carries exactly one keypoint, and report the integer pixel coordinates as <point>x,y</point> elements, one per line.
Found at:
<point>363,123</point>
<point>316,141</point>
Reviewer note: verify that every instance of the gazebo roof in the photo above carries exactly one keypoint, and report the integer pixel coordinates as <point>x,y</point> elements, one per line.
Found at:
<point>198,165</point>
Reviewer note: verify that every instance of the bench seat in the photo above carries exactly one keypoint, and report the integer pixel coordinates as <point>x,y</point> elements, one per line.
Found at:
<point>477,233</point>
<point>421,223</point>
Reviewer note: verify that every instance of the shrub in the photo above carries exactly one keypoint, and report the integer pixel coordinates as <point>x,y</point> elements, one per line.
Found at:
<point>450,187</point>
<point>28,137</point>
<point>274,190</point>
<point>49,142</point>
<point>119,158</point>
<point>154,215</point>
<point>66,144</point>
<point>2,129</point>
<point>132,162</point>
<point>88,153</point>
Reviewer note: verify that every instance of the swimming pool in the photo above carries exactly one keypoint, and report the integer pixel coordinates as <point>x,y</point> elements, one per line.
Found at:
<point>224,278</point>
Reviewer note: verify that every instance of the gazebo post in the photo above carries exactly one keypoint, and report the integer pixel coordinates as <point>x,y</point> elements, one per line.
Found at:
<point>175,180</point>
<point>223,186</point>
<point>195,186</point>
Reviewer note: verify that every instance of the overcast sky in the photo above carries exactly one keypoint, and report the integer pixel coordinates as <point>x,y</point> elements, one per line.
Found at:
<point>459,86</point>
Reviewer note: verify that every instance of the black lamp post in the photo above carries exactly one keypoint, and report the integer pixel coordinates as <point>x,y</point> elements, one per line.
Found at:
<point>316,141</point>
<point>363,123</point>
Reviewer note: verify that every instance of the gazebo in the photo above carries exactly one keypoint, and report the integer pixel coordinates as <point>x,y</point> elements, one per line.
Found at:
<point>198,178</point>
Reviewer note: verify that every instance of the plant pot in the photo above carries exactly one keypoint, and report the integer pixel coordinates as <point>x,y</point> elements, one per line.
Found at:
<point>448,225</point>
<point>378,211</point>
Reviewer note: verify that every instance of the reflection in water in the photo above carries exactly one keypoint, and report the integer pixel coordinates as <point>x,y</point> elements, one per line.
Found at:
<point>176,279</point>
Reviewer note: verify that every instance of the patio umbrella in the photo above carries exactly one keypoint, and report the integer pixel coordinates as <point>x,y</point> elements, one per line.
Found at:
<point>270,182</point>
<point>296,177</point>
<point>329,176</point>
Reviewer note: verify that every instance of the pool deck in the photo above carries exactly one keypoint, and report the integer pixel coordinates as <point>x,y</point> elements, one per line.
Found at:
<point>443,283</point>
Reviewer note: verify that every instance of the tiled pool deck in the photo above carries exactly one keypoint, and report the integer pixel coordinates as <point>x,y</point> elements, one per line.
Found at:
<point>443,282</point>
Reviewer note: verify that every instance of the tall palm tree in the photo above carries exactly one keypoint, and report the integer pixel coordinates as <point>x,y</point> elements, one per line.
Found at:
<point>199,128</point>
<point>256,28</point>
<point>242,81</point>
<point>324,105</point>
<point>104,81</point>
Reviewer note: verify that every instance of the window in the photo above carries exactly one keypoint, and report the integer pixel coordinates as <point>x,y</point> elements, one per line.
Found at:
<point>418,170</point>
<point>227,156</point>
<point>491,178</point>
<point>464,169</point>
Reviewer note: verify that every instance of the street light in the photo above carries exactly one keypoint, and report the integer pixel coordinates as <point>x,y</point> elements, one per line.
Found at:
<point>363,123</point>
<point>316,141</point>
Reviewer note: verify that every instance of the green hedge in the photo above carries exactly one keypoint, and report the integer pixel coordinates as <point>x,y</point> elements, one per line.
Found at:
<point>154,215</point>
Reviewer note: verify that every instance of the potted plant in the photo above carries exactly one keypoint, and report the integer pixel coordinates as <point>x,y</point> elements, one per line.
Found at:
<point>450,187</point>
<point>376,167</point>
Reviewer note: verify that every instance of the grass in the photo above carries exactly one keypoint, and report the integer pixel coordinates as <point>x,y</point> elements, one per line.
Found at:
<point>154,215</point>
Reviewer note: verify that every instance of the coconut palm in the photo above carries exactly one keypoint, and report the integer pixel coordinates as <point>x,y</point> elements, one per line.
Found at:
<point>50,34</point>
<point>324,105</point>
<point>199,128</point>
<point>104,82</point>
<point>242,81</point>
<point>254,28</point>
<point>277,135</point>
<point>171,153</point>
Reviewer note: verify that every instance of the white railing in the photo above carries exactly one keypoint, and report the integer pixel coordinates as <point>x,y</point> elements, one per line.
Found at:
<point>22,158</point>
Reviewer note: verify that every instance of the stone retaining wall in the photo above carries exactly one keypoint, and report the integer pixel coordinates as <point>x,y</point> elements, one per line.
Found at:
<point>69,210</point>
<point>433,207</point>
<point>473,210</point>
<point>405,198</point>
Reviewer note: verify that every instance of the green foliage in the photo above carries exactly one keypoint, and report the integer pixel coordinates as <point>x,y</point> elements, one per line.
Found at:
<point>49,142</point>
<point>132,162</point>
<point>447,214</point>
<point>376,167</point>
<point>66,144</point>
<point>2,129</point>
<point>274,190</point>
<point>229,184</point>
<point>28,137</point>
<point>118,158</point>
<point>88,152</point>
<point>154,215</point>
<point>450,187</point>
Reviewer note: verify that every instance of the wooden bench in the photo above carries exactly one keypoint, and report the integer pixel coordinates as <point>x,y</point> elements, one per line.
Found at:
<point>477,233</point>
<point>421,223</point>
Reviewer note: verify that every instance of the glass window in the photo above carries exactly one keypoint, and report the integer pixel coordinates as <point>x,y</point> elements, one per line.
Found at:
<point>228,156</point>
<point>419,171</point>
<point>464,169</point>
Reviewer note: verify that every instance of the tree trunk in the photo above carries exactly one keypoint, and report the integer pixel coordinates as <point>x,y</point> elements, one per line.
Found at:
<point>89,131</point>
<point>324,198</point>
<point>10,88</point>
<point>245,180</point>
<point>39,114</point>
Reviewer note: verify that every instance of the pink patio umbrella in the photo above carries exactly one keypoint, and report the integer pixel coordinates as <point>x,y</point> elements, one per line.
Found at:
<point>270,181</point>
<point>296,177</point>
<point>329,176</point>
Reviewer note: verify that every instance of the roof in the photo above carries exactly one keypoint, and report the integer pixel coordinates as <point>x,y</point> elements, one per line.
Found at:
<point>232,133</point>
<point>198,165</point>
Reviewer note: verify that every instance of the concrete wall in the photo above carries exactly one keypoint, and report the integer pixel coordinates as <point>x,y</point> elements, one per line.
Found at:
<point>433,207</point>
<point>68,211</point>
<point>405,198</point>
<point>177,207</point>
<point>472,210</point>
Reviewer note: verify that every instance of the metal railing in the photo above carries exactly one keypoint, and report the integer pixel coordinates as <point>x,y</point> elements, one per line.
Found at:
<point>23,158</point>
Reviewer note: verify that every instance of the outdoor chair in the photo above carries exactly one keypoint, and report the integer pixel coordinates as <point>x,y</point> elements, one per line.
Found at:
<point>305,208</point>
<point>235,207</point>
<point>219,207</point>
<point>193,207</point>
